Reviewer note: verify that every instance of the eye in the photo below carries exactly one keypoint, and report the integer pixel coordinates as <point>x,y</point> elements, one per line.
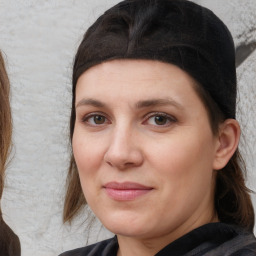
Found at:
<point>98,119</point>
<point>95,119</point>
<point>160,119</point>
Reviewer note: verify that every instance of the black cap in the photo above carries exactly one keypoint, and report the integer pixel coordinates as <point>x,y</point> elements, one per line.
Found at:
<point>174,31</point>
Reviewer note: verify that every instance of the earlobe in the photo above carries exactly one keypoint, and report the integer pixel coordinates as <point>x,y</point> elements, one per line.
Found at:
<point>228,139</point>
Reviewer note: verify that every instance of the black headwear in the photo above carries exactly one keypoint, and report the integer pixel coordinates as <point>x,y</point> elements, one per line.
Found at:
<point>174,31</point>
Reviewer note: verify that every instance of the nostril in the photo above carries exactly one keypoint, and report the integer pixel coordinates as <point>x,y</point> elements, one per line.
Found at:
<point>109,163</point>
<point>122,162</point>
<point>129,164</point>
<point>122,153</point>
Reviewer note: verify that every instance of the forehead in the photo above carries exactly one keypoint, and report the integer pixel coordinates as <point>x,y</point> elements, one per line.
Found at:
<point>131,83</point>
<point>127,74</point>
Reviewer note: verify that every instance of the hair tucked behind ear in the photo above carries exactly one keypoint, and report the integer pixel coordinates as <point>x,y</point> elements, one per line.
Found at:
<point>232,198</point>
<point>193,38</point>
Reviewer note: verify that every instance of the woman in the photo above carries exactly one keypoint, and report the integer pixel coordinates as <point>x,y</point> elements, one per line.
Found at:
<point>9,242</point>
<point>154,134</point>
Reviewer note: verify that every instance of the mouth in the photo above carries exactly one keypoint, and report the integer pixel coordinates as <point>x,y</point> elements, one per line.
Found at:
<point>126,191</point>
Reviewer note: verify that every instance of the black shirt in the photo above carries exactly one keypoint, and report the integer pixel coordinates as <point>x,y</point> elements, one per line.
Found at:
<point>213,239</point>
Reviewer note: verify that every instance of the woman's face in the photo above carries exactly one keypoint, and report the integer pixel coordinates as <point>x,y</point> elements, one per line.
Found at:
<point>144,148</point>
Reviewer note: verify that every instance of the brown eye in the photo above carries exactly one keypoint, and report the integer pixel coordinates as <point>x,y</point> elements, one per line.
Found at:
<point>97,119</point>
<point>160,120</point>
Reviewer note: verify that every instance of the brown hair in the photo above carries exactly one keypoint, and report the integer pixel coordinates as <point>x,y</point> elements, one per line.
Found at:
<point>9,241</point>
<point>193,38</point>
<point>5,122</point>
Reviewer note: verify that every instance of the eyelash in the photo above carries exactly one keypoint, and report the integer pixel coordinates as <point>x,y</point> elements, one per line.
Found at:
<point>86,118</point>
<point>168,118</point>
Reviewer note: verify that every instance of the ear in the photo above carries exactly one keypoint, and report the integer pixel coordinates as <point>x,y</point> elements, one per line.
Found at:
<point>227,143</point>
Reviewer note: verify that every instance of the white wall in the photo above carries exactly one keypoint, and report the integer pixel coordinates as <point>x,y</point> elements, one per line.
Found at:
<point>39,39</point>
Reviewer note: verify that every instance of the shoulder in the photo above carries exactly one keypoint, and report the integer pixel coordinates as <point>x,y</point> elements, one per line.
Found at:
<point>103,248</point>
<point>213,239</point>
<point>233,241</point>
<point>242,244</point>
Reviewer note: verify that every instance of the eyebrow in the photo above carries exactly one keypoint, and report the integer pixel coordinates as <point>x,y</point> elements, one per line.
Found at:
<point>139,105</point>
<point>90,102</point>
<point>158,102</point>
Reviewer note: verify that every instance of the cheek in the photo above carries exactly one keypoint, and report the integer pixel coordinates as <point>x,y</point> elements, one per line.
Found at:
<point>184,160</point>
<point>87,150</point>
<point>184,171</point>
<point>88,158</point>
<point>84,155</point>
<point>81,152</point>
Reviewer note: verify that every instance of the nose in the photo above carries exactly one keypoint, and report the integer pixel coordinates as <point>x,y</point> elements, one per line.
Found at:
<point>124,150</point>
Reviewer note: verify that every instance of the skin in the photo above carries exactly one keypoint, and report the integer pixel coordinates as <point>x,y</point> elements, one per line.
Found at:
<point>142,121</point>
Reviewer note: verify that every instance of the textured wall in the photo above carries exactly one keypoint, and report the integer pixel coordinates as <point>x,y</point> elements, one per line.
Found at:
<point>39,39</point>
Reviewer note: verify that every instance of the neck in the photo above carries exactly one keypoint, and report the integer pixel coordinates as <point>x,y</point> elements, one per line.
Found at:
<point>135,247</point>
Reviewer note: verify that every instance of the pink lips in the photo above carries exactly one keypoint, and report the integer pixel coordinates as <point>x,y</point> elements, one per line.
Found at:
<point>126,191</point>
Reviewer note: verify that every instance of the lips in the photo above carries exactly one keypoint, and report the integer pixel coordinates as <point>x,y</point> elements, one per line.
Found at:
<point>126,191</point>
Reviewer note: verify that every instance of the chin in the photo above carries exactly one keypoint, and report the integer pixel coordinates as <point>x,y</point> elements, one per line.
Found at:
<point>124,225</point>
